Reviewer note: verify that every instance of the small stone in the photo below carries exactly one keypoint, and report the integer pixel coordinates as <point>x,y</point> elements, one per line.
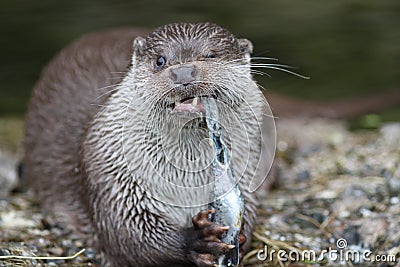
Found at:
<point>90,253</point>
<point>303,175</point>
<point>15,220</point>
<point>394,200</point>
<point>57,251</point>
<point>394,185</point>
<point>391,133</point>
<point>326,194</point>
<point>344,214</point>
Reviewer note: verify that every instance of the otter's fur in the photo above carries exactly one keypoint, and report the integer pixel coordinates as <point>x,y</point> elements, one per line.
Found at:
<point>101,142</point>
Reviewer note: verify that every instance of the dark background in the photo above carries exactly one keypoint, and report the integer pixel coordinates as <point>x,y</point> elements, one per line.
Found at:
<point>348,47</point>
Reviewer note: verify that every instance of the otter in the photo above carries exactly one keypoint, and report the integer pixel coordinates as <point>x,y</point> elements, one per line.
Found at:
<point>115,141</point>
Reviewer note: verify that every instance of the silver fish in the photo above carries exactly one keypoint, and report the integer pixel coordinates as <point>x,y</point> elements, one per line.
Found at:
<point>228,209</point>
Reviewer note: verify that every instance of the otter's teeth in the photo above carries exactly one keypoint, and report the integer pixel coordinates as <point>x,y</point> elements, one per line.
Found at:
<point>194,102</point>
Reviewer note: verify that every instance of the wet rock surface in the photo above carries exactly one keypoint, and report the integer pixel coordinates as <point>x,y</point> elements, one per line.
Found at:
<point>336,191</point>
<point>27,231</point>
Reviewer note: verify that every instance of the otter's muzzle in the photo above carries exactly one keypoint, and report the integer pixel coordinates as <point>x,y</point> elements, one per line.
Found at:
<point>184,74</point>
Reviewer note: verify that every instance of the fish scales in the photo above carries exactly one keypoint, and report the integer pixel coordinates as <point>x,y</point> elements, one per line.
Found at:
<point>228,205</point>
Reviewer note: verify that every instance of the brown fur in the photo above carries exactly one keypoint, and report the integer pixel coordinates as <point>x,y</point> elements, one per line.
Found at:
<point>74,155</point>
<point>74,158</point>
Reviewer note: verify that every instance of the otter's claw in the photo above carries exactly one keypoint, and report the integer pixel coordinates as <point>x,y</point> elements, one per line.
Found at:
<point>203,242</point>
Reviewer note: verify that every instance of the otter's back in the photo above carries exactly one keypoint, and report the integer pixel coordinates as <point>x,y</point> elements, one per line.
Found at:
<point>69,93</point>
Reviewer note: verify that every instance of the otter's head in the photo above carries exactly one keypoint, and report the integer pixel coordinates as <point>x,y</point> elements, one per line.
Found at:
<point>165,135</point>
<point>178,63</point>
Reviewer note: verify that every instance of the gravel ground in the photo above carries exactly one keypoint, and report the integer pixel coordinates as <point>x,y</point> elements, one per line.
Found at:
<point>337,191</point>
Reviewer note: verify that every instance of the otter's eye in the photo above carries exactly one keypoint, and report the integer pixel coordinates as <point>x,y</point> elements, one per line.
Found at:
<point>211,55</point>
<point>161,61</point>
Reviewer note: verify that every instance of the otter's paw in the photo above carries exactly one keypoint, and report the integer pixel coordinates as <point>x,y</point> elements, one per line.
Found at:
<point>203,243</point>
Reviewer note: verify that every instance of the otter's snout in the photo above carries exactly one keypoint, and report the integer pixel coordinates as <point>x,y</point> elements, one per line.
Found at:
<point>184,74</point>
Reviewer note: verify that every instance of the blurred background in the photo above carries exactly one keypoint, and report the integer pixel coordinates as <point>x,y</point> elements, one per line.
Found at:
<point>347,47</point>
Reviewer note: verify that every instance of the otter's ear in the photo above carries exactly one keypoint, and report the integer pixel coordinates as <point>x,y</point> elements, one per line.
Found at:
<point>139,45</point>
<point>246,46</point>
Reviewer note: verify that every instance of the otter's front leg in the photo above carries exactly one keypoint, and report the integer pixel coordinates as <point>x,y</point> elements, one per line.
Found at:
<point>203,241</point>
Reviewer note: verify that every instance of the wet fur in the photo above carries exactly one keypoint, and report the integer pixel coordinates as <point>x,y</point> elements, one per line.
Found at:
<point>100,101</point>
<point>92,131</point>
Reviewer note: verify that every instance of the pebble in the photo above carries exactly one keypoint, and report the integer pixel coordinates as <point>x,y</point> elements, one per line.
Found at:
<point>16,220</point>
<point>351,178</point>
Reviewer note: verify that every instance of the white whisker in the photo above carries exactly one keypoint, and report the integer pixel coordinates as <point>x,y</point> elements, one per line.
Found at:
<point>105,87</point>
<point>283,70</point>
<point>260,73</point>
<point>272,65</point>
<point>108,92</point>
<point>264,58</point>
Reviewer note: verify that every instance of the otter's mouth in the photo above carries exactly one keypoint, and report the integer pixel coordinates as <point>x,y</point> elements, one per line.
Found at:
<point>189,104</point>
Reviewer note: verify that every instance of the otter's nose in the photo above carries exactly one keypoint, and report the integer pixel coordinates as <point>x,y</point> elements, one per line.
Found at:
<point>183,74</point>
